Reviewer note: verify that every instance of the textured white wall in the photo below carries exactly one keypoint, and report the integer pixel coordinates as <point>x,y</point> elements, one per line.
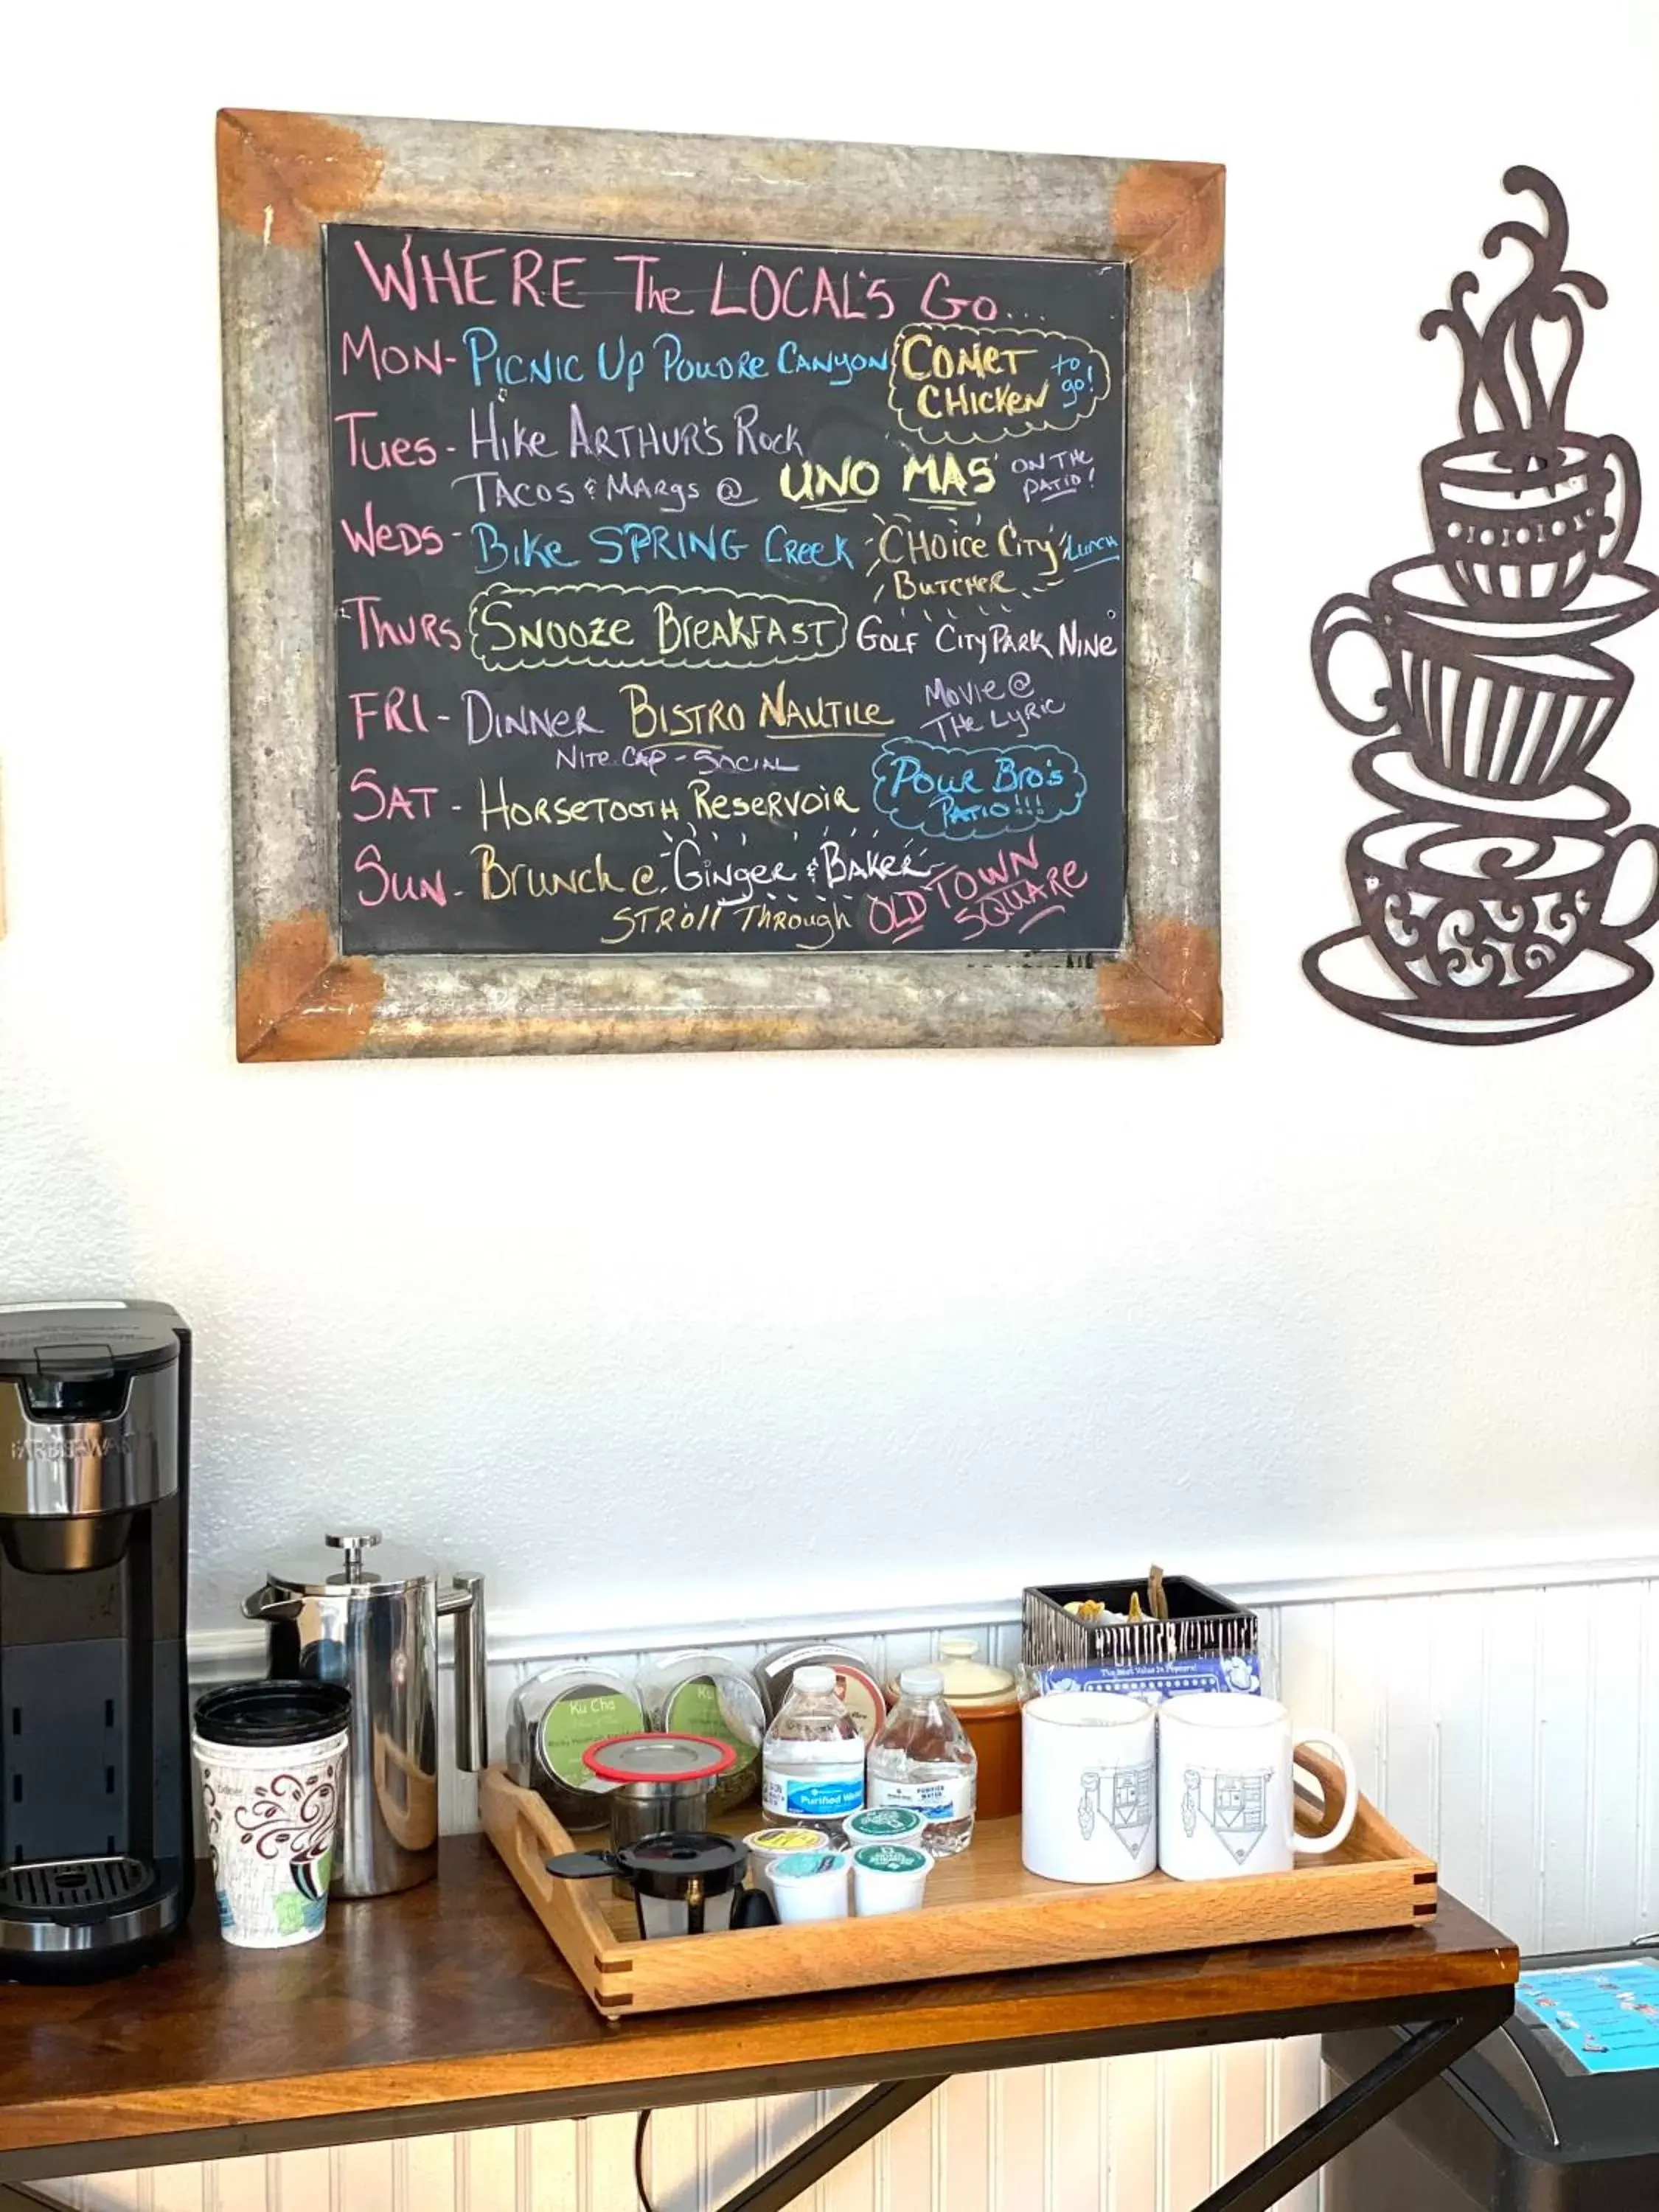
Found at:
<point>708,1336</point>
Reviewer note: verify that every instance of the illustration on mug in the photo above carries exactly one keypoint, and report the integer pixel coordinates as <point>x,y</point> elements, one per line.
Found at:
<point>1233,1806</point>
<point>1130,1796</point>
<point>1498,896</point>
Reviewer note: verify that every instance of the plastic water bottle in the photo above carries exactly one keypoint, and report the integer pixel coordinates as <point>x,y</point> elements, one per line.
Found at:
<point>812,1759</point>
<point>922,1758</point>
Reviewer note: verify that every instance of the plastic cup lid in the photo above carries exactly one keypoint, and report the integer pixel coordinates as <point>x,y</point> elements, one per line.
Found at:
<point>786,1839</point>
<point>653,1757</point>
<point>276,1714</point>
<point>890,1858</point>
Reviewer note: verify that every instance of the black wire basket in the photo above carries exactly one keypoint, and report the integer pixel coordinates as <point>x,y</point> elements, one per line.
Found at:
<point>1202,1624</point>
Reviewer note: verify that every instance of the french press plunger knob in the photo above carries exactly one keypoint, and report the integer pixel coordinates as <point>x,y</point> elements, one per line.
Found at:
<point>353,1542</point>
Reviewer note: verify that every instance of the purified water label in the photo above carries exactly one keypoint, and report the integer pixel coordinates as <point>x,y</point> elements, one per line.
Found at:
<point>828,1792</point>
<point>950,1798</point>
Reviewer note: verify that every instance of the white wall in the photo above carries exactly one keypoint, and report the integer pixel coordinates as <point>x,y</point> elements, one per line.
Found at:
<point>675,1337</point>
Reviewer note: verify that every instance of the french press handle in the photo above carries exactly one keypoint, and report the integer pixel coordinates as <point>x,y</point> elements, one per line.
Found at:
<point>465,1599</point>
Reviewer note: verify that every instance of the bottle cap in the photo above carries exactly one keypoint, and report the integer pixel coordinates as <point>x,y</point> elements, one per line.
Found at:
<point>921,1682</point>
<point>815,1680</point>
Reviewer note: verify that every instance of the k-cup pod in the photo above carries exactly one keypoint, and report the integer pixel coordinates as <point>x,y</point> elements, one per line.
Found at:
<point>270,1756</point>
<point>767,1845</point>
<point>889,1878</point>
<point>886,1824</point>
<point>810,1885</point>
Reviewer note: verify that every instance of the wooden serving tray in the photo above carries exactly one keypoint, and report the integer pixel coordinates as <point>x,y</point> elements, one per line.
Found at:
<point>984,1914</point>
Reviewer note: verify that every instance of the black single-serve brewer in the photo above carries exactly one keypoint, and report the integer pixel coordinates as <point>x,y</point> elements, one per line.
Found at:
<point>95,1832</point>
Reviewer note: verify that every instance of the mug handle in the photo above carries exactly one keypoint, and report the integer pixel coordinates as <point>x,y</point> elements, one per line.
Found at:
<point>1639,833</point>
<point>1326,1773</point>
<point>1357,613</point>
<point>1618,456</point>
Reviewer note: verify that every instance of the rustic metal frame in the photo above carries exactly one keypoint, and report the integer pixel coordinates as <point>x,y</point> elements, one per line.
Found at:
<point>280,176</point>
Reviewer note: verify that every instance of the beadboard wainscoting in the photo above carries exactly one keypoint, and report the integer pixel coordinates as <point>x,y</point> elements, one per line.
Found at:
<point>1508,1721</point>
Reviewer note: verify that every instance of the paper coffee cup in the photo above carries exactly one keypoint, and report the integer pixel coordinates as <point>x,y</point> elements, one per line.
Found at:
<point>270,1756</point>
<point>889,1878</point>
<point>810,1885</point>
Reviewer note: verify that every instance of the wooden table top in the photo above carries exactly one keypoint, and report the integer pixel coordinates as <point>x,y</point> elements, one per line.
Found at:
<point>451,1994</point>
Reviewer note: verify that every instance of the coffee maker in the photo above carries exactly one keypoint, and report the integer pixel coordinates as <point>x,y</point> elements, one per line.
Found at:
<point>95,1829</point>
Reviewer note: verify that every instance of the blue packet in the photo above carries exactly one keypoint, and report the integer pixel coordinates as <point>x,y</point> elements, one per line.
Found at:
<point>1239,1671</point>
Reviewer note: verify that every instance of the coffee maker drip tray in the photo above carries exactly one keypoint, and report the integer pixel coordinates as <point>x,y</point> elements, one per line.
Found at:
<point>73,1886</point>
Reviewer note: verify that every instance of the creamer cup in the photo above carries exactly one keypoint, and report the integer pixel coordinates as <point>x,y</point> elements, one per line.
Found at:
<point>889,1878</point>
<point>767,1845</point>
<point>810,1885</point>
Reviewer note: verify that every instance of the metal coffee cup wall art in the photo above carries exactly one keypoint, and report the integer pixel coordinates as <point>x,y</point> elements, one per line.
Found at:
<point>1498,896</point>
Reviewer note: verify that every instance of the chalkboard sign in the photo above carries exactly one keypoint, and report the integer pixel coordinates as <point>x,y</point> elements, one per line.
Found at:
<point>648,635</point>
<point>693,597</point>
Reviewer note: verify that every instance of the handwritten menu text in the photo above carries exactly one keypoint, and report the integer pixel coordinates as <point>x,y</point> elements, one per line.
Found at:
<point>701,598</point>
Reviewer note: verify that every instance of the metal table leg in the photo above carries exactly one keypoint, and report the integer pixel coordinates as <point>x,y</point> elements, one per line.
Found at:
<point>1262,2184</point>
<point>792,2177</point>
<point>1423,2055</point>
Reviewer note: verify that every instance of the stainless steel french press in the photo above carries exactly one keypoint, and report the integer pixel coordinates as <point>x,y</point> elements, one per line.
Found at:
<point>368,1617</point>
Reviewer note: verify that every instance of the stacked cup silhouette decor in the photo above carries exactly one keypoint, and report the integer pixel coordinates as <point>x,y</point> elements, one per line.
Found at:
<point>1498,895</point>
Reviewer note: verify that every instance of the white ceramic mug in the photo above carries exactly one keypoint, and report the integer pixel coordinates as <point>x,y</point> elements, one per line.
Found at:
<point>1225,1789</point>
<point>1089,1808</point>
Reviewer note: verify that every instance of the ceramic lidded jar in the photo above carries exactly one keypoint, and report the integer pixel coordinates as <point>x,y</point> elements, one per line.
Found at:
<point>984,1699</point>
